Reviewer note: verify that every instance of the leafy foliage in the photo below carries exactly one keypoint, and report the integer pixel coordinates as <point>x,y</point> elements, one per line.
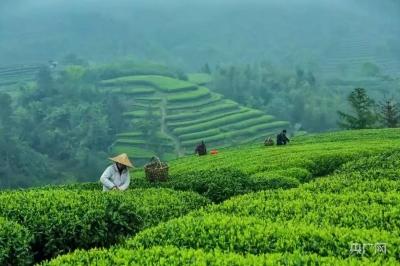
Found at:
<point>169,255</point>
<point>250,235</point>
<point>14,244</point>
<point>63,219</point>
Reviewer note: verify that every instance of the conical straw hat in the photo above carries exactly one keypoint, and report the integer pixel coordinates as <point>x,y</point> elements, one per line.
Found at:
<point>122,159</point>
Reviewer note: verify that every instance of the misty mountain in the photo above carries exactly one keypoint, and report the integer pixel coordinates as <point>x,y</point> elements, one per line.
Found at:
<point>325,36</point>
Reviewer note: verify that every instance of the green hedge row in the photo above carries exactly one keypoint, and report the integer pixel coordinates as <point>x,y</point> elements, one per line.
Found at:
<point>169,255</point>
<point>374,180</point>
<point>14,244</point>
<point>250,235</point>
<point>353,209</point>
<point>62,220</point>
<point>219,184</point>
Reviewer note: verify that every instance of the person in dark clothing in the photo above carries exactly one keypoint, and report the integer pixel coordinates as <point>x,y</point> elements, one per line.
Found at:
<point>201,149</point>
<point>281,139</point>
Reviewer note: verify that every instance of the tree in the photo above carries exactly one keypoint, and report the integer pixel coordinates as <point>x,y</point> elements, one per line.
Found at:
<point>363,111</point>
<point>389,113</point>
<point>206,69</point>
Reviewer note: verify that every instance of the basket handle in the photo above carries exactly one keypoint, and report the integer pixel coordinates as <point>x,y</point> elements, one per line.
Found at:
<point>156,159</point>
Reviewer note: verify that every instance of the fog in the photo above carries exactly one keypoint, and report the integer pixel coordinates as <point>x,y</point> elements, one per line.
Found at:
<point>191,33</point>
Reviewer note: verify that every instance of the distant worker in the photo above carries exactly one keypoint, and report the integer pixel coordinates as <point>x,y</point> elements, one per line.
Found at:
<point>201,149</point>
<point>116,176</point>
<point>281,139</point>
<point>268,142</point>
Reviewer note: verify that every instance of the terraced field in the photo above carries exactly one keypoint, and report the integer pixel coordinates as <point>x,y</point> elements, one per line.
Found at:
<point>328,199</point>
<point>187,112</point>
<point>354,51</point>
<point>10,75</point>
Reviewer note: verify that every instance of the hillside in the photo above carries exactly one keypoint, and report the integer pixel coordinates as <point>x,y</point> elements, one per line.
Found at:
<point>170,117</point>
<point>330,199</point>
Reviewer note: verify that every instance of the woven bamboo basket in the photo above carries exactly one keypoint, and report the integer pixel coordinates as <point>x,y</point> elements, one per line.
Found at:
<point>156,170</point>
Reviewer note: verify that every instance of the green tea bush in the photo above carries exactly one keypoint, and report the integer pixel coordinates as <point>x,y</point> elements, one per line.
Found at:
<point>215,184</point>
<point>14,244</point>
<point>169,255</point>
<point>250,235</point>
<point>61,221</point>
<point>385,160</point>
<point>275,181</point>
<point>94,186</point>
<point>157,205</point>
<point>327,164</point>
<point>354,209</point>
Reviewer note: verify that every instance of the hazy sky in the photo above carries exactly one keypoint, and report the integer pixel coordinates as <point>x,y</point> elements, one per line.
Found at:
<point>190,32</point>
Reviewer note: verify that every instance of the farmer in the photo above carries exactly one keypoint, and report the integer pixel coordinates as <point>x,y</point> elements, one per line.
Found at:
<point>281,139</point>
<point>116,176</point>
<point>201,149</point>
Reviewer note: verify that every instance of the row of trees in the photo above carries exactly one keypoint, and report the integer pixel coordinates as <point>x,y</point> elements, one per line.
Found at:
<point>366,113</point>
<point>299,97</point>
<point>294,95</point>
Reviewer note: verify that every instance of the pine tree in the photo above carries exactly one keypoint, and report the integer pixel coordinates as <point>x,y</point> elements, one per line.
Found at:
<point>363,111</point>
<point>389,113</point>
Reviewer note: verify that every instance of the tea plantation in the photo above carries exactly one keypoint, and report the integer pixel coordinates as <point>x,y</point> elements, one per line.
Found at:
<point>182,113</point>
<point>328,199</point>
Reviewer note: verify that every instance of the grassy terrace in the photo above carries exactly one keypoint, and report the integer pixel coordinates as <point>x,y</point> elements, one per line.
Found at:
<point>231,119</point>
<point>133,91</point>
<point>225,105</point>
<point>137,134</point>
<point>141,113</point>
<point>199,93</point>
<point>212,100</point>
<point>140,143</point>
<point>250,123</point>
<point>199,78</point>
<point>165,84</point>
<point>206,118</point>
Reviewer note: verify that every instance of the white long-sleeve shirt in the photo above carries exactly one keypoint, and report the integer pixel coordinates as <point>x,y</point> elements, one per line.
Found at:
<point>111,178</point>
